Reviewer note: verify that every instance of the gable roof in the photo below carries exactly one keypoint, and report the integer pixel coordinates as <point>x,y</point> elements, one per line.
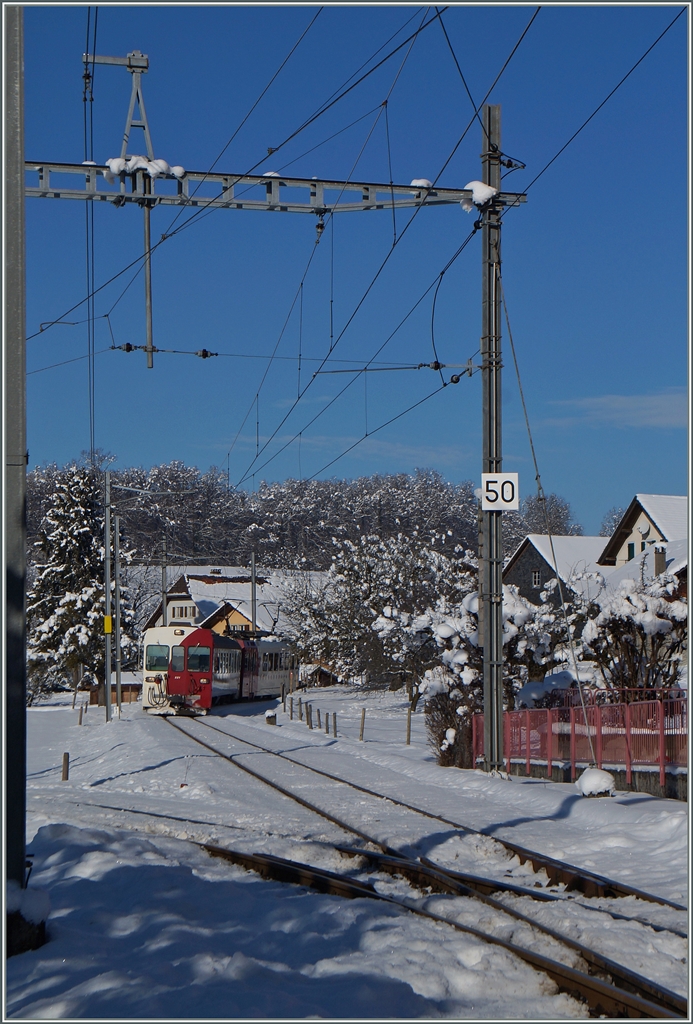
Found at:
<point>668,512</point>
<point>572,553</point>
<point>643,564</point>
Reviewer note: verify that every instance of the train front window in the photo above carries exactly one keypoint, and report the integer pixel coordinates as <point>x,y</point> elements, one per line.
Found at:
<point>156,658</point>
<point>178,659</point>
<point>198,659</point>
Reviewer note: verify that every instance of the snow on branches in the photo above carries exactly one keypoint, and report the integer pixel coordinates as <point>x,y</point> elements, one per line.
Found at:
<point>66,603</point>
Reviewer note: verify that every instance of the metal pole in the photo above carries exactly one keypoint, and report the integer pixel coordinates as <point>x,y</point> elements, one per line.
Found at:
<point>108,625</point>
<point>163,585</point>
<point>253,593</point>
<point>148,279</point>
<point>492,541</point>
<point>118,658</point>
<point>14,430</point>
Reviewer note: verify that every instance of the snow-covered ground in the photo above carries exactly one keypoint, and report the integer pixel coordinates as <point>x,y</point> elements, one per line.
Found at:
<point>144,924</point>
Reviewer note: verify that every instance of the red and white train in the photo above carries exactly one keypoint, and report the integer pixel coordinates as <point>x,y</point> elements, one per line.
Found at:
<point>186,668</point>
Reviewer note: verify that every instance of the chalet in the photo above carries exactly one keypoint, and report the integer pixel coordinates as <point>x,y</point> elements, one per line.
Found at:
<point>532,565</point>
<point>654,560</point>
<point>221,599</point>
<point>650,520</point>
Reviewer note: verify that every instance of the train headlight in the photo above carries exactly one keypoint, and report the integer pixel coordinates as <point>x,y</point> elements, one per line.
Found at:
<point>204,680</point>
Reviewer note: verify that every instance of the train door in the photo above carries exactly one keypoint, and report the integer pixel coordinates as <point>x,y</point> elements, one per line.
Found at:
<point>249,671</point>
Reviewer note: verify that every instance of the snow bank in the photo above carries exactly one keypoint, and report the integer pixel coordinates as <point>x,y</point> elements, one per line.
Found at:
<point>595,782</point>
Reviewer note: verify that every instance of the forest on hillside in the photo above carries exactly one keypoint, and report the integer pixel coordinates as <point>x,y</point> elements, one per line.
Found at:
<point>291,523</point>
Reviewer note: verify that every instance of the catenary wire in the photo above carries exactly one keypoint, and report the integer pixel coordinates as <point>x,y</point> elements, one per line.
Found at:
<point>607,98</point>
<point>186,223</point>
<point>355,377</point>
<point>299,291</point>
<point>255,104</point>
<point>394,244</point>
<point>382,426</point>
<point>542,499</point>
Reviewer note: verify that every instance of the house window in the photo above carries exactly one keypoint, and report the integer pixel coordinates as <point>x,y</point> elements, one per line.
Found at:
<point>536,578</point>
<point>631,551</point>
<point>642,545</point>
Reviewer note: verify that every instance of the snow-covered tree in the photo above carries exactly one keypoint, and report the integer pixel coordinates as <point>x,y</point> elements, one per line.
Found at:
<point>66,603</point>
<point>536,510</point>
<point>363,619</point>
<point>611,520</point>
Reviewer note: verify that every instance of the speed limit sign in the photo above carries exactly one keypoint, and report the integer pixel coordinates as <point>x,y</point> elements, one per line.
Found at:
<point>500,492</point>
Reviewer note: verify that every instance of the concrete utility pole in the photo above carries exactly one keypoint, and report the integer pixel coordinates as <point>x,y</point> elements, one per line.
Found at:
<point>253,594</point>
<point>491,568</point>
<point>118,655</point>
<point>108,618</point>
<point>15,453</point>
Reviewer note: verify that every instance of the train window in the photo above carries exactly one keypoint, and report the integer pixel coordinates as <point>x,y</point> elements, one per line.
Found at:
<point>177,659</point>
<point>156,657</point>
<point>198,659</point>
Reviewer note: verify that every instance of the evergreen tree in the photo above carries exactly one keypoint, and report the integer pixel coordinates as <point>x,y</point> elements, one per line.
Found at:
<point>66,603</point>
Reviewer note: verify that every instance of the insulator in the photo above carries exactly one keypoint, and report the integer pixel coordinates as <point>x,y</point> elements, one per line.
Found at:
<point>127,347</point>
<point>455,379</point>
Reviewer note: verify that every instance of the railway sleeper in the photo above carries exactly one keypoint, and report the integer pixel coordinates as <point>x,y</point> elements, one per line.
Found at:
<point>428,876</point>
<point>602,998</point>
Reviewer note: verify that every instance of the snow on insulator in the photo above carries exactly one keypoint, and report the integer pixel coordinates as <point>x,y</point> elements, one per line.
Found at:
<point>136,163</point>
<point>421,183</point>
<point>178,171</point>
<point>481,194</point>
<point>88,163</point>
<point>116,164</point>
<point>271,174</point>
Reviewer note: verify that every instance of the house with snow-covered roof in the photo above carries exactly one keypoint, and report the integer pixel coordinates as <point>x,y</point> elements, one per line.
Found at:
<point>532,564</point>
<point>650,520</point>
<point>220,598</point>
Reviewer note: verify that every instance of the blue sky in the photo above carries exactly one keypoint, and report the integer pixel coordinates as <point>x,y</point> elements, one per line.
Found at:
<point>595,264</point>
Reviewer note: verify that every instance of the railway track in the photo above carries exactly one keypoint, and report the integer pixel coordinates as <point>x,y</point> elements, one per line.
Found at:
<point>625,994</point>
<point>573,878</point>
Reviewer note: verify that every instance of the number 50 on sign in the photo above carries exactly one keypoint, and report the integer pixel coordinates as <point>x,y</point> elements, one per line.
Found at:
<point>500,492</point>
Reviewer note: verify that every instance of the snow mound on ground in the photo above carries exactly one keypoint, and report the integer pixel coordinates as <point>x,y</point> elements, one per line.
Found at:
<point>595,782</point>
<point>33,904</point>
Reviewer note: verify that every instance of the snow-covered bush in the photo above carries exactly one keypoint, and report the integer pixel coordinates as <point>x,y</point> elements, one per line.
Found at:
<point>638,634</point>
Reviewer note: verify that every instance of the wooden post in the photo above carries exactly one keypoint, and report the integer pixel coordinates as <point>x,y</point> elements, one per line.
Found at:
<point>327,723</point>
<point>291,709</point>
<point>319,722</point>
<point>66,767</point>
<point>309,716</point>
<point>334,724</point>
<point>363,722</point>
<point>81,709</point>
<point>300,710</point>
<point>408,726</point>
<point>662,748</point>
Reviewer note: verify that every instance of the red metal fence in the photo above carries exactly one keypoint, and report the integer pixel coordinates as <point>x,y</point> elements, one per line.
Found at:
<point>652,732</point>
